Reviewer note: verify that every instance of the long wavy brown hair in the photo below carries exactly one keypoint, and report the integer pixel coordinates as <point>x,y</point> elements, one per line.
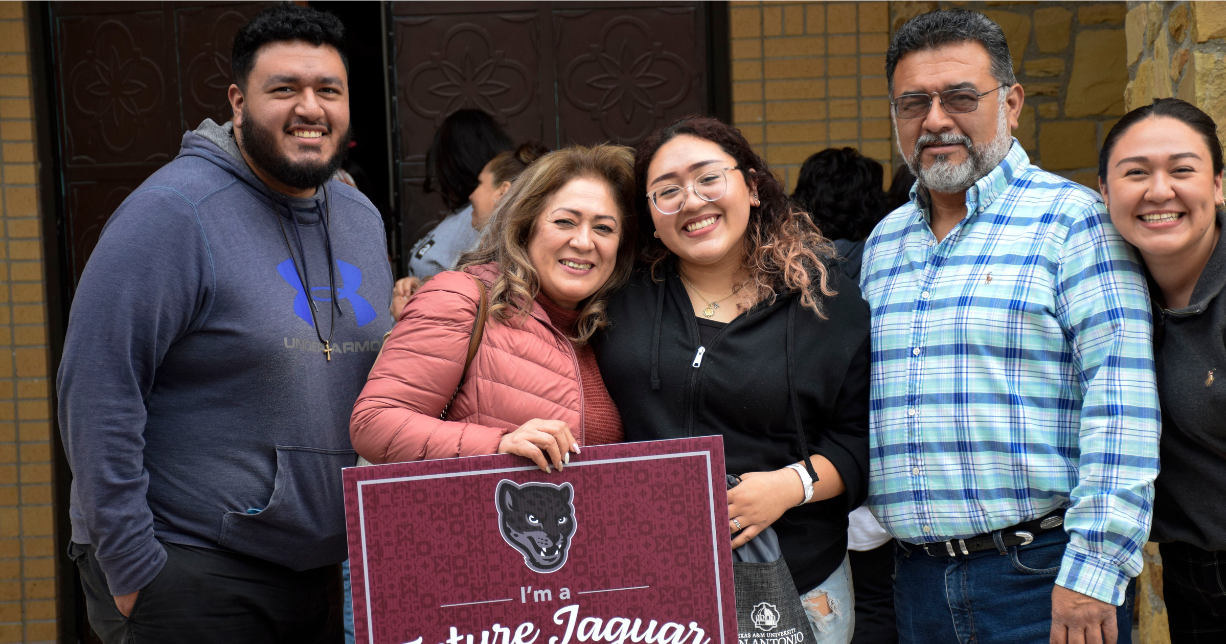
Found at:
<point>509,231</point>
<point>784,250</point>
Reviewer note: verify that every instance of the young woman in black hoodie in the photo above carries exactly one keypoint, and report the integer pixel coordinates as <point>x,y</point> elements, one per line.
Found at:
<point>740,324</point>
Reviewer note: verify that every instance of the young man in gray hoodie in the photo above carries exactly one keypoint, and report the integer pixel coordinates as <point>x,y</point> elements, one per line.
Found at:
<point>219,335</point>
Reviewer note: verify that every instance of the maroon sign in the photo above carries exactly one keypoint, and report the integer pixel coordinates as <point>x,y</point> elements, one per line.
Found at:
<point>628,544</point>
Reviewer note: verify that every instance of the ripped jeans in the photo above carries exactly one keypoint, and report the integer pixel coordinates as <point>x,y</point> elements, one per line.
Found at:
<point>834,620</point>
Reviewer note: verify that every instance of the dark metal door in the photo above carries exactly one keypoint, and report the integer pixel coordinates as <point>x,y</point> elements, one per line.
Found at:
<point>558,72</point>
<point>131,77</point>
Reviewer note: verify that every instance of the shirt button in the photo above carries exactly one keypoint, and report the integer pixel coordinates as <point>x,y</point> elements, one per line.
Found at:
<point>927,529</point>
<point>915,471</point>
<point>932,242</point>
<point>911,412</point>
<point>915,351</point>
<point>925,295</point>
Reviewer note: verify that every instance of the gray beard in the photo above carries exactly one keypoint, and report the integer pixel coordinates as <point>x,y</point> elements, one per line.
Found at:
<point>951,178</point>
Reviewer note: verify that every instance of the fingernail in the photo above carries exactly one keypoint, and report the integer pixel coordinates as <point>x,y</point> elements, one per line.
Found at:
<point>548,470</point>
<point>566,457</point>
<point>575,447</point>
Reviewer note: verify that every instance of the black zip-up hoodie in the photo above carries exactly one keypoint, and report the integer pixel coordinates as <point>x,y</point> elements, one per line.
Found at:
<point>742,387</point>
<point>1188,347</point>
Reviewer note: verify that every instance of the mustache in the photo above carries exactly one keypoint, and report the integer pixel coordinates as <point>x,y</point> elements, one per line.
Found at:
<point>943,138</point>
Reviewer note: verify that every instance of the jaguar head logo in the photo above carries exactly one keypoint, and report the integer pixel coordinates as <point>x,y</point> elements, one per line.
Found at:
<point>538,520</point>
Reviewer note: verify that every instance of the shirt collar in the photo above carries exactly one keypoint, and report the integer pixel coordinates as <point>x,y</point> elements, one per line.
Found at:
<point>987,188</point>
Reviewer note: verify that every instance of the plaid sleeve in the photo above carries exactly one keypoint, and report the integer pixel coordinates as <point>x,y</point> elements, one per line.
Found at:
<point>1103,306</point>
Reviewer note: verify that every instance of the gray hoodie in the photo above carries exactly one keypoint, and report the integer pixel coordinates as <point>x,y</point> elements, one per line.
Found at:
<point>196,404</point>
<point>1190,357</point>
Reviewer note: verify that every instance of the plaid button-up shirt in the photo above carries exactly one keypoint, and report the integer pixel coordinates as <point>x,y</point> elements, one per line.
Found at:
<point>1013,374</point>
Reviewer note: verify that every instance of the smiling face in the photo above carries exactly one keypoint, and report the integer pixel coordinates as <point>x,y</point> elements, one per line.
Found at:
<point>292,119</point>
<point>949,152</point>
<point>486,196</point>
<point>574,241</point>
<point>1161,191</point>
<point>703,232</point>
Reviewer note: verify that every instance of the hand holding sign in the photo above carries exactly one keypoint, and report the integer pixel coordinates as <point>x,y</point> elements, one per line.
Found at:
<point>541,441</point>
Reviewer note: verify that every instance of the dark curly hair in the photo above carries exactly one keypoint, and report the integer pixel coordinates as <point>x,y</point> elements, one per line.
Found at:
<point>841,190</point>
<point>466,141</point>
<point>285,22</point>
<point>784,251</point>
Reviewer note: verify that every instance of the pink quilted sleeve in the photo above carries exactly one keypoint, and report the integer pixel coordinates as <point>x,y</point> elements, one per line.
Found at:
<point>396,417</point>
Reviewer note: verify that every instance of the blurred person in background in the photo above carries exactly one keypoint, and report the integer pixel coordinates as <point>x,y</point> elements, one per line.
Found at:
<point>493,182</point>
<point>842,192</point>
<point>463,144</point>
<point>900,189</point>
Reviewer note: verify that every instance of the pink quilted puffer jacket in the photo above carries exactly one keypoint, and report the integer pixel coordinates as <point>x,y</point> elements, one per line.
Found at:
<point>517,374</point>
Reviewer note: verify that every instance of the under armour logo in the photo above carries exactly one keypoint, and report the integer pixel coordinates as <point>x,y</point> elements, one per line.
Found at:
<point>347,289</point>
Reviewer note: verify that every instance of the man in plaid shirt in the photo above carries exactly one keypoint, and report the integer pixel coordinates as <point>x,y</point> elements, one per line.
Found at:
<point>1014,414</point>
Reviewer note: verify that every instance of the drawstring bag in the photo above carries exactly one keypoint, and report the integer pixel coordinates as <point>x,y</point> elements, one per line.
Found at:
<point>768,607</point>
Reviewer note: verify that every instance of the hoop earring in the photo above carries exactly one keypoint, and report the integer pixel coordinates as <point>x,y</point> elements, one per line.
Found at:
<point>656,234</point>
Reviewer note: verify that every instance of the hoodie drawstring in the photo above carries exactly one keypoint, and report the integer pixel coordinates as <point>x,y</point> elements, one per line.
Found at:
<point>795,400</point>
<point>655,337</point>
<point>328,248</point>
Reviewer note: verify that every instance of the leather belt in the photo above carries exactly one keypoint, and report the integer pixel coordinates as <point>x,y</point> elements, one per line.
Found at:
<point>1019,535</point>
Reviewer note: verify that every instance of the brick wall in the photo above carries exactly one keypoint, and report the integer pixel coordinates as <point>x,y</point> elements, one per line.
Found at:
<point>810,76</point>
<point>27,563</point>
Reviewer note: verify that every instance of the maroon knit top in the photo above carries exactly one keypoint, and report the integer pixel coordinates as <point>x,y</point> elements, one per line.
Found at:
<point>602,423</point>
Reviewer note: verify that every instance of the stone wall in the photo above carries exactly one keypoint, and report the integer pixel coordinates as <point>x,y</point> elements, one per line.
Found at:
<point>27,544</point>
<point>810,76</point>
<point>1070,59</point>
<point>1178,49</point>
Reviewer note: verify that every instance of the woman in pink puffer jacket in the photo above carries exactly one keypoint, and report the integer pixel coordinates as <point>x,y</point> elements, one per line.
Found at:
<point>560,240</point>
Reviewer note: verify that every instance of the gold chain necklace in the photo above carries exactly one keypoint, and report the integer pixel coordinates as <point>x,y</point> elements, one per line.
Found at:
<point>711,304</point>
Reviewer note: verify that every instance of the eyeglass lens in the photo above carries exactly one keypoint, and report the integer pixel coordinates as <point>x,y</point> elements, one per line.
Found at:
<point>671,198</point>
<point>954,101</point>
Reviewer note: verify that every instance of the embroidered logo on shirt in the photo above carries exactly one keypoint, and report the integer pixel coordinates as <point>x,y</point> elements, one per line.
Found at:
<point>350,280</point>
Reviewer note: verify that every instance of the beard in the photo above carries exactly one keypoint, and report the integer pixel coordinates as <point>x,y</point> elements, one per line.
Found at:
<point>947,177</point>
<point>260,144</point>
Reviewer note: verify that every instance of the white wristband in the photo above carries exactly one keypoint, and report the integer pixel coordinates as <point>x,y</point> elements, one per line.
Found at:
<point>806,481</point>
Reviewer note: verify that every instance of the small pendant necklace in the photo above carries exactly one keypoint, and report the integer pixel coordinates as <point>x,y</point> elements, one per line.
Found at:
<point>708,312</point>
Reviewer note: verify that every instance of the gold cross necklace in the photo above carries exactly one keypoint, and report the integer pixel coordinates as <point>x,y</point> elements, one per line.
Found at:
<point>708,312</point>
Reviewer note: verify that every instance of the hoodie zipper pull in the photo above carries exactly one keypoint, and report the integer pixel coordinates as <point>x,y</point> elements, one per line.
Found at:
<point>698,357</point>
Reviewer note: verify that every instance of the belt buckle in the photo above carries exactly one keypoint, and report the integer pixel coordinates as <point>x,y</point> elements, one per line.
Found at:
<point>1027,537</point>
<point>949,546</point>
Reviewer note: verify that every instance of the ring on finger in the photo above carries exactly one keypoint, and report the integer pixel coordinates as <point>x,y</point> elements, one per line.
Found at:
<point>737,524</point>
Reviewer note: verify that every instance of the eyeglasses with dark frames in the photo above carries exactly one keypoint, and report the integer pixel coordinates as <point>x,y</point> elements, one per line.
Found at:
<point>953,101</point>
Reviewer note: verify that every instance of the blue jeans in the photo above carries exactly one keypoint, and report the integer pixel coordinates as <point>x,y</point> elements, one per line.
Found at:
<point>836,626</point>
<point>986,596</point>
